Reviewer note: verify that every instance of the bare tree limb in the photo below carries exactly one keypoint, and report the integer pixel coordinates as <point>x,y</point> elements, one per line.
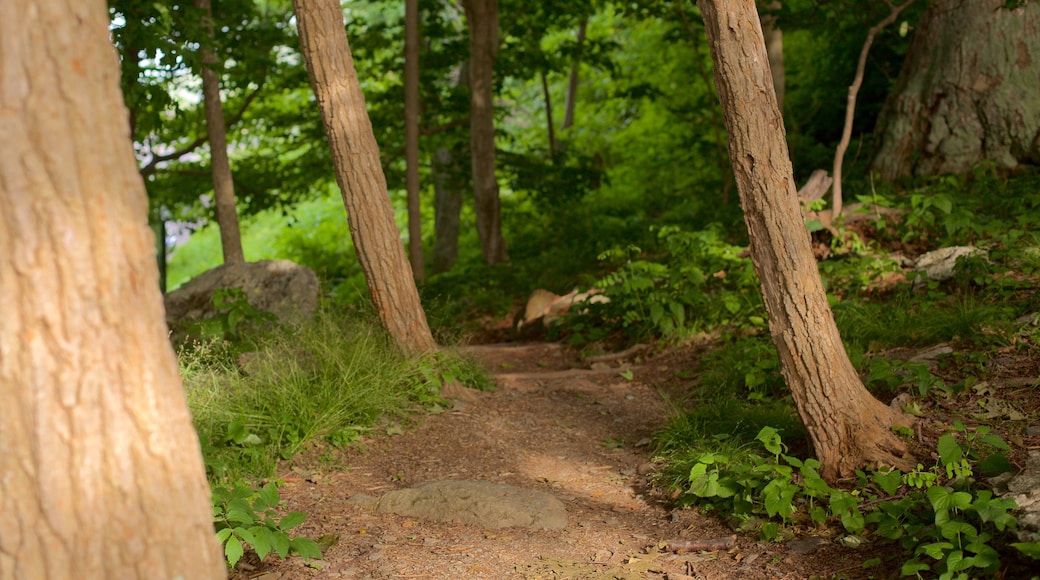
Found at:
<point>850,109</point>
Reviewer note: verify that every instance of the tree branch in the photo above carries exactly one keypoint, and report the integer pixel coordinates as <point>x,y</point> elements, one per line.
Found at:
<point>152,166</point>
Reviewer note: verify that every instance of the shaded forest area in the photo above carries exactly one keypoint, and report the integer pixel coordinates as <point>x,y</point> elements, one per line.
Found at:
<point>810,227</point>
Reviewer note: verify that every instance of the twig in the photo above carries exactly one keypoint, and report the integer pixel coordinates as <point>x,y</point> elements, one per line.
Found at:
<point>617,355</point>
<point>711,545</point>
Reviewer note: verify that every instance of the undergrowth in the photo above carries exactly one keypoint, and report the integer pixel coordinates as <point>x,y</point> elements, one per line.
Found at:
<point>325,382</point>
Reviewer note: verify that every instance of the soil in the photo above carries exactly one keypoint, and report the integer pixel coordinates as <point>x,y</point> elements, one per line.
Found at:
<point>552,425</point>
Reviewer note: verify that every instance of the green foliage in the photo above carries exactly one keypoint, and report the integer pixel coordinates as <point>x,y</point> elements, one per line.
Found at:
<point>946,524</point>
<point>243,515</point>
<point>327,381</point>
<point>698,282</point>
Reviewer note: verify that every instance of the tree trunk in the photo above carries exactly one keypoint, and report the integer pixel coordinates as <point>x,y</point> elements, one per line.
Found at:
<point>775,49</point>
<point>848,428</point>
<point>223,185</point>
<point>411,136</point>
<point>482,19</point>
<point>572,81</point>
<point>100,474</point>
<point>547,97</point>
<point>967,92</point>
<point>360,175</point>
<point>447,205</point>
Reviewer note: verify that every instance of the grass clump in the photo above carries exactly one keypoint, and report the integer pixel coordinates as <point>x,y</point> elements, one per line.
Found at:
<point>329,380</point>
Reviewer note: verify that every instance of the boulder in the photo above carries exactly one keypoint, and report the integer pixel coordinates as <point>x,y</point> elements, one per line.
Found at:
<point>481,503</point>
<point>938,265</point>
<point>285,289</point>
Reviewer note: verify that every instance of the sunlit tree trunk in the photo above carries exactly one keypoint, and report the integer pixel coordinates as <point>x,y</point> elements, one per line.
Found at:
<point>223,185</point>
<point>848,428</point>
<point>967,92</point>
<point>360,175</point>
<point>100,470</point>
<point>482,19</point>
<point>411,136</point>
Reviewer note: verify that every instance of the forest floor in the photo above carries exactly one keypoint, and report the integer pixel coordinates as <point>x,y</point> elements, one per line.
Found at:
<point>552,425</point>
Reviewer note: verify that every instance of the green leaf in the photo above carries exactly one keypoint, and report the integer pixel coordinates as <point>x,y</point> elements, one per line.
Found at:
<point>280,543</point>
<point>245,535</point>
<point>813,225</point>
<point>943,499</point>
<point>949,450</point>
<point>305,547</point>
<point>233,550</point>
<point>935,550</point>
<point>268,495</point>
<point>1031,549</point>
<point>913,567</point>
<point>223,534</point>
<point>770,439</point>
<point>239,511</point>
<point>292,520</point>
<point>889,482</point>
<point>262,541</point>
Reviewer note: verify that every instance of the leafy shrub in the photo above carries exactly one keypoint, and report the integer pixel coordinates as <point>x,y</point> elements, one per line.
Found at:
<point>940,516</point>
<point>243,515</point>
<point>698,282</point>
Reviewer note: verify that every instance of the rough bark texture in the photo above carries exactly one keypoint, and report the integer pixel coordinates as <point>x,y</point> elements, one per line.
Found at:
<point>969,91</point>
<point>411,136</point>
<point>482,19</point>
<point>223,185</point>
<point>447,206</point>
<point>360,175</point>
<point>100,470</point>
<point>847,426</point>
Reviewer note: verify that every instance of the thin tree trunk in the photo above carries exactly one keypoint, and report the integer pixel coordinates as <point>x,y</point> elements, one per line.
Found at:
<point>775,49</point>
<point>360,175</point>
<point>546,95</point>
<point>850,106</point>
<point>482,19</point>
<point>100,474</point>
<point>572,81</point>
<point>411,136</point>
<point>967,92</point>
<point>223,185</point>
<point>848,428</point>
<point>447,206</point>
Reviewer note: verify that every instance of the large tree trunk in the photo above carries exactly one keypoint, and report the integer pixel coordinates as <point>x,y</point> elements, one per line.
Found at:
<point>223,185</point>
<point>482,19</point>
<point>967,92</point>
<point>447,206</point>
<point>360,175</point>
<point>848,428</point>
<point>411,136</point>
<point>100,470</point>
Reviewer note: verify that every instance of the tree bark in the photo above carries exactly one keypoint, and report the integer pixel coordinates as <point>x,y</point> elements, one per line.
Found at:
<point>848,428</point>
<point>223,185</point>
<point>482,19</point>
<point>967,92</point>
<point>411,136</point>
<point>447,206</point>
<point>100,474</point>
<point>547,97</point>
<point>360,174</point>
<point>572,80</point>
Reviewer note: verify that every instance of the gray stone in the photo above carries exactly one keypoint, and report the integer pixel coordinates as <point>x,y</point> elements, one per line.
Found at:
<point>283,288</point>
<point>489,505</point>
<point>1024,488</point>
<point>938,264</point>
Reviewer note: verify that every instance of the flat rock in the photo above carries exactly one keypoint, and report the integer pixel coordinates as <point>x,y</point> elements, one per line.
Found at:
<point>481,503</point>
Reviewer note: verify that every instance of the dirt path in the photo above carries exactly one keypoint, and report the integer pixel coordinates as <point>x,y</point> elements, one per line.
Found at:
<point>580,435</point>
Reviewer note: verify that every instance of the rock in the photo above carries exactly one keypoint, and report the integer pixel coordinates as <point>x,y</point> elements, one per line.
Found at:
<point>938,265</point>
<point>1024,488</point>
<point>283,288</point>
<point>544,308</point>
<point>489,505</point>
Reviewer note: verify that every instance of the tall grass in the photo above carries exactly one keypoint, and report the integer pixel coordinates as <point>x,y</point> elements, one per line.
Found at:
<point>326,381</point>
